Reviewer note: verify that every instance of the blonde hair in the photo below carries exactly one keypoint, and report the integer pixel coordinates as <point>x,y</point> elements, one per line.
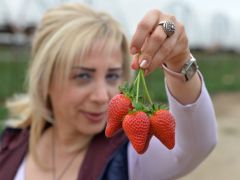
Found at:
<point>65,32</point>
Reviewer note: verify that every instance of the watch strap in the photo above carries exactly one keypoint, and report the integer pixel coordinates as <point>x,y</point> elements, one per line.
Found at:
<point>177,75</point>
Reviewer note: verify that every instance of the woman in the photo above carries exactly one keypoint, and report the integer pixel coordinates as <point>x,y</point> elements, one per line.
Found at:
<point>80,57</point>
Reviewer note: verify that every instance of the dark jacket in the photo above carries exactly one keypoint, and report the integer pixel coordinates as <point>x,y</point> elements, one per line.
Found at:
<point>106,159</point>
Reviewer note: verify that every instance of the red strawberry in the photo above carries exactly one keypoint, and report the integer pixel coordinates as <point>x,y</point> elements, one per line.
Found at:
<point>150,134</point>
<point>117,109</point>
<point>137,126</point>
<point>163,127</point>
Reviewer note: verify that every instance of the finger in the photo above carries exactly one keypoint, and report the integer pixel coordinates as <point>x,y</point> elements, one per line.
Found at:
<point>166,50</point>
<point>144,28</point>
<point>181,51</point>
<point>155,41</point>
<point>135,63</point>
<point>161,55</point>
<point>172,46</point>
<point>151,46</point>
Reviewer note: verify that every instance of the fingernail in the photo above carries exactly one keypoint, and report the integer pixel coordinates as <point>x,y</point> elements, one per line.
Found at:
<point>133,50</point>
<point>134,65</point>
<point>143,64</point>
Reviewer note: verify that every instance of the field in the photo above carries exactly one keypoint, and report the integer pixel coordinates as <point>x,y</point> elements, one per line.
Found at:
<point>221,72</point>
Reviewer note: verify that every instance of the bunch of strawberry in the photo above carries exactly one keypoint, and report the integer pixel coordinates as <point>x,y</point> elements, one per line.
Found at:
<point>139,120</point>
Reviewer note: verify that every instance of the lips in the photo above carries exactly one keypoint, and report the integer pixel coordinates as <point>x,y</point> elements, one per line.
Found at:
<point>94,117</point>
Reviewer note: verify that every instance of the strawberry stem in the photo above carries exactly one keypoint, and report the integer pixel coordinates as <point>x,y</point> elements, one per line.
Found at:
<point>138,83</point>
<point>145,86</point>
<point>135,81</point>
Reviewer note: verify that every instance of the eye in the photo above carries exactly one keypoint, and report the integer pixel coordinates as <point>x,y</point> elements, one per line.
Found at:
<point>83,77</point>
<point>113,77</point>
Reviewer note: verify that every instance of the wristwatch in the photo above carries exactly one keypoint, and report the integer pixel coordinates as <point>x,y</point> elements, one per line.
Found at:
<point>187,71</point>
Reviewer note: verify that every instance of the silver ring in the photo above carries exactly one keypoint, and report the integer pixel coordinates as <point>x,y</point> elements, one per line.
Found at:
<point>168,27</point>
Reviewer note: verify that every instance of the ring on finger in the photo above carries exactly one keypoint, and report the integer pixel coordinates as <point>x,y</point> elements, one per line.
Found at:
<point>168,27</point>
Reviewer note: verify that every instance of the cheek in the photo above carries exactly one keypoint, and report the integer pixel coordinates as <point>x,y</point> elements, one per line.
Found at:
<point>75,96</point>
<point>114,91</point>
<point>65,98</point>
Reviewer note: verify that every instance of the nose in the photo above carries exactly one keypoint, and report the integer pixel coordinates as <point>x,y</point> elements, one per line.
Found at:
<point>100,93</point>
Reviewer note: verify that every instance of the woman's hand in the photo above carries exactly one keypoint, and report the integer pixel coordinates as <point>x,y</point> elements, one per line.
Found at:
<point>151,47</point>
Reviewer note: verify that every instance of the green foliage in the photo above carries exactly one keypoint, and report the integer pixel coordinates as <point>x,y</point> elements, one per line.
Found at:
<point>13,64</point>
<point>156,87</point>
<point>12,78</point>
<point>221,73</point>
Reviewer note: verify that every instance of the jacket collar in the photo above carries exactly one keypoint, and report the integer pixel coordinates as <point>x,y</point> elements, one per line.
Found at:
<point>14,147</point>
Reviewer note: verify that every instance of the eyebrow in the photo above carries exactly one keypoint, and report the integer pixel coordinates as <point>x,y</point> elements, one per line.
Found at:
<point>94,70</point>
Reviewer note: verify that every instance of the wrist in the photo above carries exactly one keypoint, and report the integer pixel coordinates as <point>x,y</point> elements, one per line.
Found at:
<point>185,73</point>
<point>177,63</point>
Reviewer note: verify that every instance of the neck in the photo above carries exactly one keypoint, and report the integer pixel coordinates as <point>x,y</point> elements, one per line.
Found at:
<point>70,147</point>
<point>69,142</point>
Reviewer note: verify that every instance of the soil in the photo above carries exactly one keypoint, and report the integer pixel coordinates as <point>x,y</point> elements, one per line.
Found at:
<point>224,162</point>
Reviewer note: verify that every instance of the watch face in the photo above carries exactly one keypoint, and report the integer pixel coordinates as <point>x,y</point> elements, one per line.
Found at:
<point>191,70</point>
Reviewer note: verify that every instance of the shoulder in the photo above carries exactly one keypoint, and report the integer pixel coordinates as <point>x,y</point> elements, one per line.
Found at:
<point>13,147</point>
<point>11,137</point>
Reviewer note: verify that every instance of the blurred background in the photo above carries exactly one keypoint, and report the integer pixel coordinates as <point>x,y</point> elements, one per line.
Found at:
<point>213,29</point>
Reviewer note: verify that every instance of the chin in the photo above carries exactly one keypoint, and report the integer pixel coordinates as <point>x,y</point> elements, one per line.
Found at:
<point>94,130</point>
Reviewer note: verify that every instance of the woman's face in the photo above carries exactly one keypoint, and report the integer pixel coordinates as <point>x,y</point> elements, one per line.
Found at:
<point>80,104</point>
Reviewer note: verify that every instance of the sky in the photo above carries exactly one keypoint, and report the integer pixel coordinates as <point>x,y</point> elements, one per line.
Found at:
<point>33,8</point>
<point>201,18</point>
